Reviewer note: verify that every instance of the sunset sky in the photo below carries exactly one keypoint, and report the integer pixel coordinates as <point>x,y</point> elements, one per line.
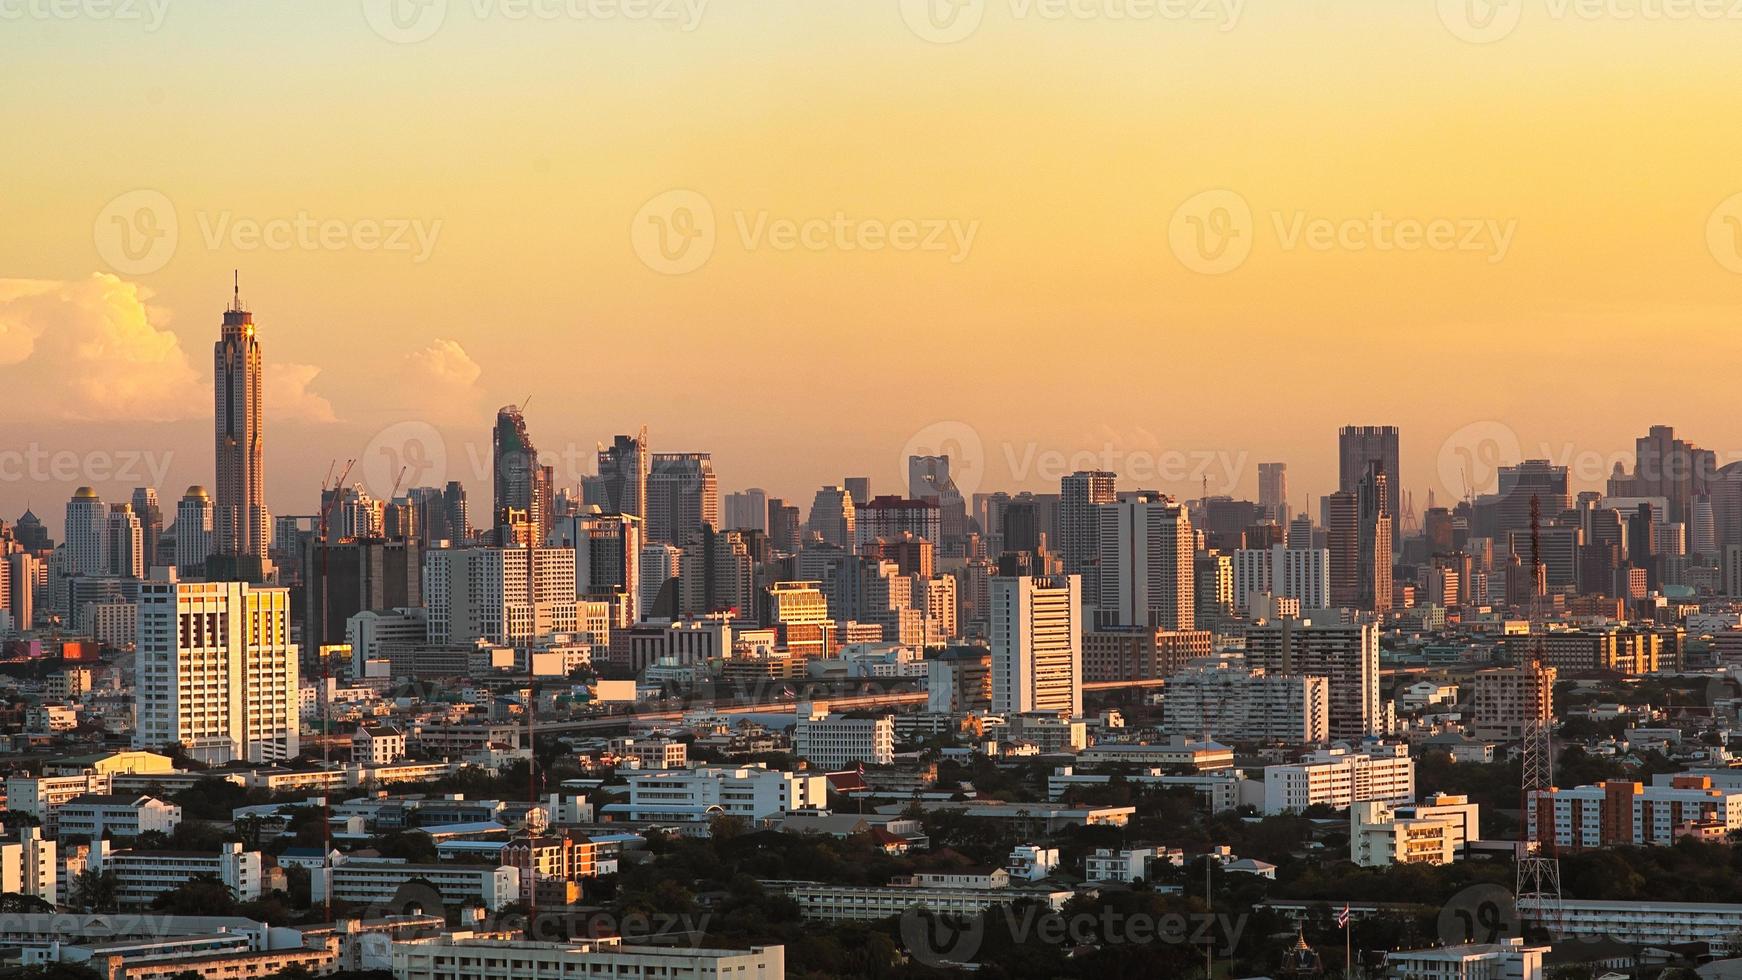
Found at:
<point>471,208</point>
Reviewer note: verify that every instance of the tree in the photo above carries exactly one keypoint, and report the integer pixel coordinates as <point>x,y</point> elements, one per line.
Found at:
<point>199,895</point>
<point>96,891</point>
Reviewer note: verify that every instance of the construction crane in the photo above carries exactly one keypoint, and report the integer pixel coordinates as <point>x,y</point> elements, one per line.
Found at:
<point>1539,871</point>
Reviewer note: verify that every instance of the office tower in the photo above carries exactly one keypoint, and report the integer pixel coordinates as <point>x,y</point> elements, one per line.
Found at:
<point>1347,654</point>
<point>859,488</point>
<point>1225,521</point>
<point>716,574</point>
<point>623,469</point>
<point>889,518</point>
<point>342,578</point>
<point>1359,448</point>
<point>1703,528</point>
<point>1300,533</point>
<point>783,525</point>
<point>1374,540</point>
<point>833,517</point>
<point>682,496</point>
<point>150,514</point>
<point>86,540</point>
<point>928,478</point>
<point>1146,563</point>
<point>30,533</point>
<point>521,483</point>
<point>1509,509</point>
<point>1021,527</point>
<point>1436,526</point>
<point>747,511</point>
<point>799,613</point>
<point>123,543</point>
<point>1667,467</point>
<point>1273,491</point>
<point>216,672</point>
<point>399,520</point>
<point>507,596</point>
<point>607,559</point>
<point>240,524</point>
<point>1037,653</point>
<point>193,532</point>
<point>1079,526</point>
<point>660,565</point>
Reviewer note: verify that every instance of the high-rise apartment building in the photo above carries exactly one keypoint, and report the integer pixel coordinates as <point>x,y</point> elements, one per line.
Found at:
<point>1359,449</point>
<point>607,558</point>
<point>216,672</point>
<point>683,496</point>
<point>1273,491</point>
<point>1291,573</point>
<point>1037,653</point>
<point>1347,654</point>
<point>347,577</point>
<point>150,514</point>
<point>240,521</point>
<point>507,596</point>
<point>193,532</point>
<point>1080,526</point>
<point>1145,563</point>
<point>86,534</point>
<point>889,517</point>
<point>124,543</point>
<point>1508,700</point>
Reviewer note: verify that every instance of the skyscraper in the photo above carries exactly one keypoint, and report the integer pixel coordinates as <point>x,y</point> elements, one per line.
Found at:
<point>623,471</point>
<point>683,496</point>
<point>1079,525</point>
<point>193,532</point>
<point>1037,652</point>
<point>1664,466</point>
<point>216,671</point>
<point>145,507</point>
<point>124,543</point>
<point>522,484</point>
<point>502,595</point>
<point>240,522</point>
<point>86,541</point>
<point>607,558</point>
<point>1374,563</point>
<point>1146,563</point>
<point>1359,447</point>
<point>833,516</point>
<point>747,511</point>
<point>1273,491</point>
<point>928,478</point>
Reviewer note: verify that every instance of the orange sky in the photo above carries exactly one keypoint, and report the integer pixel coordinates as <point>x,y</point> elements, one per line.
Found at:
<point>809,236</point>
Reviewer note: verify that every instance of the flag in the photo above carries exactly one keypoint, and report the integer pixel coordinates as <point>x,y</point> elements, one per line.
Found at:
<point>1343,918</point>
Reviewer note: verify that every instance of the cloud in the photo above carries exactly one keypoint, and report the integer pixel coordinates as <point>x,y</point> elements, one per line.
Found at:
<point>442,380</point>
<point>288,397</point>
<point>86,350</point>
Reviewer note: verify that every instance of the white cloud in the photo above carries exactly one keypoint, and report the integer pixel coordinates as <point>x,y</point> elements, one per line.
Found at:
<point>87,350</point>
<point>288,397</point>
<point>441,380</point>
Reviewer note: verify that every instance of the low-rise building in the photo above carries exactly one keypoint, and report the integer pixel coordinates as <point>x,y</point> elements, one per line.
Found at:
<point>142,875</point>
<point>1434,832</point>
<point>95,814</point>
<point>1621,811</point>
<point>378,882</point>
<point>1509,958</point>
<point>755,793</point>
<point>28,866</point>
<point>1339,777</point>
<point>1176,753</point>
<point>838,741</point>
<point>456,957</point>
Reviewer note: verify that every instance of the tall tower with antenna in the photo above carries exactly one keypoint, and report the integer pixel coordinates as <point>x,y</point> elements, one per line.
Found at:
<point>239,518</point>
<point>1539,871</point>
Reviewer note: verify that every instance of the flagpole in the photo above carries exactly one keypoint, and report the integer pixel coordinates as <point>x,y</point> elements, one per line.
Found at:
<point>1348,958</point>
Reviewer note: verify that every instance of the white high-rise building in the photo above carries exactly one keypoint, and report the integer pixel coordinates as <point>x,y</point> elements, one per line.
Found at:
<point>507,596</point>
<point>1238,705</point>
<point>193,531</point>
<point>86,536</point>
<point>1037,651</point>
<point>1146,563</point>
<point>124,542</point>
<point>1292,573</point>
<point>216,671</point>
